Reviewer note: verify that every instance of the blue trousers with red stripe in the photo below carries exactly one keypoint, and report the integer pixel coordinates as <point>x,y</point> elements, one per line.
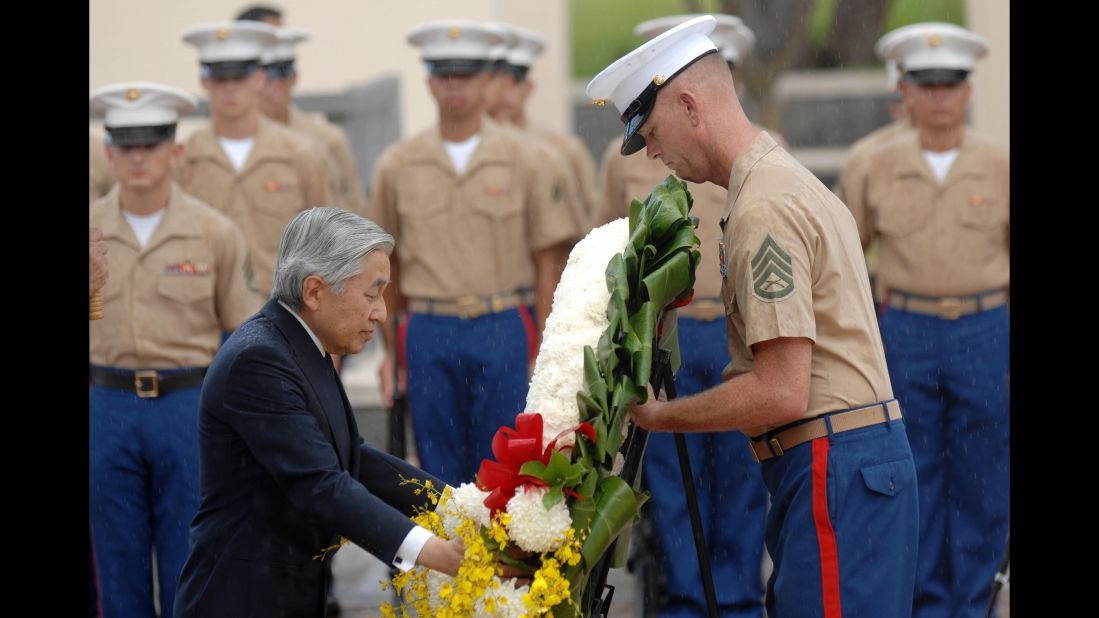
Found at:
<point>843,526</point>
<point>731,495</point>
<point>466,378</point>
<point>951,378</point>
<point>144,491</point>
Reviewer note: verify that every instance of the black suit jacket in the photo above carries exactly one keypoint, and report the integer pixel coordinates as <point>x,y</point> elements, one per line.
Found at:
<point>284,474</point>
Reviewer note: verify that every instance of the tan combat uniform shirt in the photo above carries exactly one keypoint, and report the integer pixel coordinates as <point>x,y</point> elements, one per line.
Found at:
<point>165,304</point>
<point>580,162</point>
<point>280,178</point>
<point>471,233</point>
<point>624,178</point>
<point>852,180</point>
<point>555,164</point>
<point>349,193</point>
<point>794,268</point>
<point>937,239</point>
<point>100,175</point>
<point>860,157</point>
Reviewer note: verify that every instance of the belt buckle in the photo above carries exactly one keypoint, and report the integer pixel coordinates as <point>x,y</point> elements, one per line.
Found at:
<point>146,393</point>
<point>776,448</point>
<point>752,447</point>
<point>708,310</point>
<point>950,308</point>
<point>470,307</point>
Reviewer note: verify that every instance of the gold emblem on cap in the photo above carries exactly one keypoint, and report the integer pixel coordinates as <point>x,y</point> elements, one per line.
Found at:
<point>222,34</point>
<point>454,32</point>
<point>659,80</point>
<point>935,41</point>
<point>599,102</point>
<point>132,94</point>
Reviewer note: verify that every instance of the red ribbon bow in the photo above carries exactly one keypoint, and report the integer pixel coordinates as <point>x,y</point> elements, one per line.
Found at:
<point>512,448</point>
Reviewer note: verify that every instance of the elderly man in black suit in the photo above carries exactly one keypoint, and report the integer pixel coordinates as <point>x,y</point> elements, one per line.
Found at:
<point>284,470</point>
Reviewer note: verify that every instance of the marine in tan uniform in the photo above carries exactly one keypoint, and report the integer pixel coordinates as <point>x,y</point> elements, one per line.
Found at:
<point>97,261</point>
<point>478,228</point>
<point>808,380</point>
<point>937,201</point>
<point>256,171</point>
<point>860,157</point>
<point>177,281</point>
<point>100,176</point>
<point>277,104</point>
<point>516,88</point>
<point>505,79</point>
<point>726,475</point>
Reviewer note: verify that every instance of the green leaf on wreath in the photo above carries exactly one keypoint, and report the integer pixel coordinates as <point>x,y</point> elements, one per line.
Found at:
<point>552,497</point>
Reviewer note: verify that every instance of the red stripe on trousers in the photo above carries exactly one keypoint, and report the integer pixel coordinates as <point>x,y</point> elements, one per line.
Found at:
<point>402,342</point>
<point>532,333</point>
<point>402,357</point>
<point>95,576</point>
<point>826,537</point>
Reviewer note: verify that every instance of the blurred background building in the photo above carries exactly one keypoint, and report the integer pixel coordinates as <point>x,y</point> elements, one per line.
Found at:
<point>812,76</point>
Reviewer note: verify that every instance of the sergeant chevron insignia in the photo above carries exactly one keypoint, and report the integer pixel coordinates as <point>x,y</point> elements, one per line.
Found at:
<point>772,271</point>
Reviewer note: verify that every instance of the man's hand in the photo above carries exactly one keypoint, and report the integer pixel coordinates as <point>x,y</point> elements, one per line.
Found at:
<point>649,414</point>
<point>97,261</point>
<point>446,557</point>
<point>385,379</point>
<point>442,556</point>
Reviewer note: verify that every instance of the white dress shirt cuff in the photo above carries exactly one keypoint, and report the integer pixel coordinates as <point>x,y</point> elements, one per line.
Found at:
<point>410,548</point>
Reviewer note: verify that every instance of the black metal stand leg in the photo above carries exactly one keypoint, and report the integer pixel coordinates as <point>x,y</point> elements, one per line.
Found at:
<point>701,549</point>
<point>662,381</point>
<point>999,581</point>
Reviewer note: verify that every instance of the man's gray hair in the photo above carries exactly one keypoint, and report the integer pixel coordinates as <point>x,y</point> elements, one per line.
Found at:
<point>328,242</point>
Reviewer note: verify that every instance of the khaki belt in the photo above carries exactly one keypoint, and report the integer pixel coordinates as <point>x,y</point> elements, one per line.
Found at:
<point>704,309</point>
<point>764,447</point>
<point>947,307</point>
<point>469,307</point>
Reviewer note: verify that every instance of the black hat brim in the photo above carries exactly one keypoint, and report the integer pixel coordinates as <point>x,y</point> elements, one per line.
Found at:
<point>936,76</point>
<point>229,69</point>
<point>279,70</point>
<point>141,136</point>
<point>516,71</point>
<point>631,141</point>
<point>456,66</point>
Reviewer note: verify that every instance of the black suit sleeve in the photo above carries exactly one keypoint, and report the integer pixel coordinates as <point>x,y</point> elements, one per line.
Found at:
<point>381,473</point>
<point>266,404</point>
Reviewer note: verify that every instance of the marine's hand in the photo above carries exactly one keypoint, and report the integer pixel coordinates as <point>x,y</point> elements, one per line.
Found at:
<point>649,415</point>
<point>385,377</point>
<point>97,261</point>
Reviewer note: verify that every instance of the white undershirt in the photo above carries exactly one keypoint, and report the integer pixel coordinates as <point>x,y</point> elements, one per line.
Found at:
<point>143,225</point>
<point>461,152</point>
<point>418,536</point>
<point>237,149</point>
<point>940,162</point>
